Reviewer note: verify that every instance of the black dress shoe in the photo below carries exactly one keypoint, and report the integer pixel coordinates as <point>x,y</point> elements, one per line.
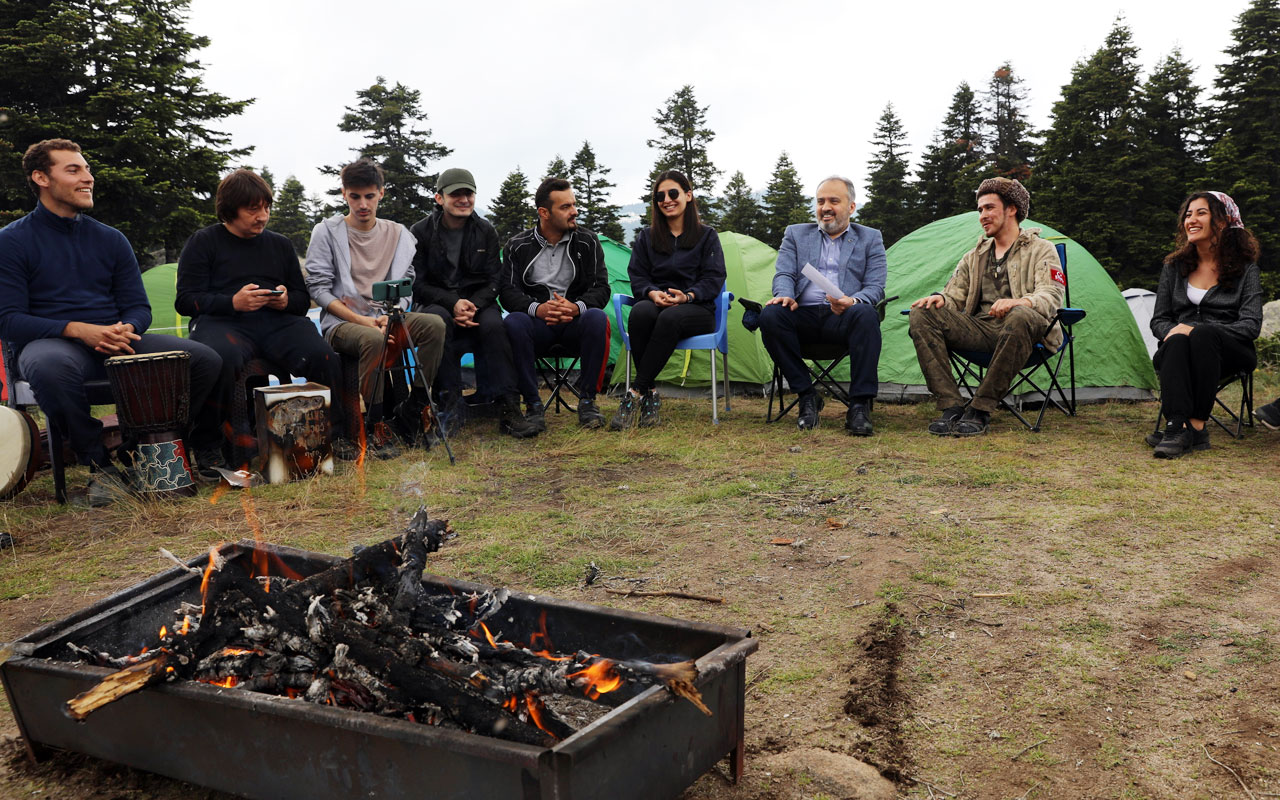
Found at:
<point>808,406</point>
<point>857,422</point>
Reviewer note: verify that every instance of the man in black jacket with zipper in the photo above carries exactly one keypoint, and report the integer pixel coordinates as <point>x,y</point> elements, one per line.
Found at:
<point>554,289</point>
<point>456,274</point>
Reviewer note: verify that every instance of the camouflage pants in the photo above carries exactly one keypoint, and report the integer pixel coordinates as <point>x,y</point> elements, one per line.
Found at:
<point>1009,340</point>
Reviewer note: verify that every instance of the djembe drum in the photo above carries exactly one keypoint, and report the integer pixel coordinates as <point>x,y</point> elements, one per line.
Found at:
<point>152,394</point>
<point>19,451</point>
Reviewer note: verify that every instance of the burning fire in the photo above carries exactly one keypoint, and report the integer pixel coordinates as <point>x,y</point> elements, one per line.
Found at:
<point>600,678</point>
<point>186,625</point>
<point>208,573</point>
<point>488,636</point>
<point>164,631</point>
<point>228,682</point>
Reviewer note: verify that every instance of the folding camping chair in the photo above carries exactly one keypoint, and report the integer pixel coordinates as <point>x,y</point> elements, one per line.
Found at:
<point>1241,418</point>
<point>556,370</point>
<point>823,358</point>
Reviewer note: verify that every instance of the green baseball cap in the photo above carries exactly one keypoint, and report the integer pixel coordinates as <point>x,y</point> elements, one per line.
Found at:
<point>451,180</point>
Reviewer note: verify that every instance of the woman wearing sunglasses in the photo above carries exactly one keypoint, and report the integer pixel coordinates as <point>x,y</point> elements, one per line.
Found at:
<point>677,272</point>
<point>1208,313</point>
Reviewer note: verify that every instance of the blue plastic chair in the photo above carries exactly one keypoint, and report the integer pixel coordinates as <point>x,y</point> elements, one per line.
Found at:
<point>711,342</point>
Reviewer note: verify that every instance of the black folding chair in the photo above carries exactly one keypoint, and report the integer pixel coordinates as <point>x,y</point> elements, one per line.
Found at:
<point>21,397</point>
<point>1240,419</point>
<point>556,369</point>
<point>821,359</point>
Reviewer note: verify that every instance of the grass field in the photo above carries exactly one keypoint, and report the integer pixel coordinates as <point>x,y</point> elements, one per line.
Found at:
<point>1131,635</point>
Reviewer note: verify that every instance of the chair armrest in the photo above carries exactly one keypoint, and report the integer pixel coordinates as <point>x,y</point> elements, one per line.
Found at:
<point>620,300</point>
<point>1070,316</point>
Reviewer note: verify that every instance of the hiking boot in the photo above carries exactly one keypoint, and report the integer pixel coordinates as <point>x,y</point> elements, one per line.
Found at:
<point>807,407</point>
<point>942,425</point>
<point>512,422</point>
<point>589,415</point>
<point>972,423</point>
<point>106,485</point>
<point>1154,438</point>
<point>536,415</point>
<point>649,409</point>
<point>1177,440</point>
<point>857,421</point>
<point>1269,415</point>
<point>627,410</point>
<point>208,461</point>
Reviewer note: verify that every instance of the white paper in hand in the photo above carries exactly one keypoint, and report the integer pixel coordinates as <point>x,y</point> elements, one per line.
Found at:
<point>822,281</point>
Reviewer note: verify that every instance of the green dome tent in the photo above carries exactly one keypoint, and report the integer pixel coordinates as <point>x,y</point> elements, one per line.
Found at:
<point>1111,359</point>
<point>160,283</point>
<point>749,265</point>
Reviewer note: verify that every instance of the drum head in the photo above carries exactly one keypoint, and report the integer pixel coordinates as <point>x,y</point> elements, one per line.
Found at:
<point>19,457</point>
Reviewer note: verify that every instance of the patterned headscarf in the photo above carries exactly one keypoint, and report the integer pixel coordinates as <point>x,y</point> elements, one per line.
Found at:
<point>1233,210</point>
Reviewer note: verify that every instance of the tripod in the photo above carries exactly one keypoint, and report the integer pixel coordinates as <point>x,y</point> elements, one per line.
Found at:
<point>396,322</point>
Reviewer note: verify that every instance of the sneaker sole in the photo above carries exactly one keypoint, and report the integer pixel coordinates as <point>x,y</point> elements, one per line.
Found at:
<point>1269,426</point>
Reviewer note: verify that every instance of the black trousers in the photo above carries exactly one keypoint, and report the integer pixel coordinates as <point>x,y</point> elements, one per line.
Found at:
<point>1191,365</point>
<point>291,344</point>
<point>495,373</point>
<point>654,332</point>
<point>858,328</point>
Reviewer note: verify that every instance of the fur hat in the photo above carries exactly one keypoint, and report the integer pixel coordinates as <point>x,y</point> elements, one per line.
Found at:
<point>1010,191</point>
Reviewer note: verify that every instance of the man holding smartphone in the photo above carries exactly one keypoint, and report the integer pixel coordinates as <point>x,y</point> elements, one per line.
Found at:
<point>350,253</point>
<point>242,287</point>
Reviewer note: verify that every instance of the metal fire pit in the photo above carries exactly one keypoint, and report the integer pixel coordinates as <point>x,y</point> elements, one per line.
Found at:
<point>261,746</point>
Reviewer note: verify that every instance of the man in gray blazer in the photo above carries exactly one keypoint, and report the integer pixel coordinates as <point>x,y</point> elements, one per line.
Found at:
<point>852,258</point>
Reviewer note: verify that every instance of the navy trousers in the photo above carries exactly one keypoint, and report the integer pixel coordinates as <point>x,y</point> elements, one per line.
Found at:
<point>586,336</point>
<point>858,328</point>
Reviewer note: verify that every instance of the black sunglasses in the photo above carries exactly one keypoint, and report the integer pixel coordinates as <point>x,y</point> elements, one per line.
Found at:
<point>671,194</point>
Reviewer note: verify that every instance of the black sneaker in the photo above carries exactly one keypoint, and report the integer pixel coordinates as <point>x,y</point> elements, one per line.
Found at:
<point>1200,438</point>
<point>512,422</point>
<point>942,425</point>
<point>1269,415</point>
<point>1177,440</point>
<point>627,410</point>
<point>807,407</point>
<point>1154,438</point>
<point>649,409</point>
<point>208,461</point>
<point>972,423</point>
<point>857,422</point>
<point>536,415</point>
<point>589,415</point>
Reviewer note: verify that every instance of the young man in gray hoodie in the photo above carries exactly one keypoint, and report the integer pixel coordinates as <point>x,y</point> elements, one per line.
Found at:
<point>347,255</point>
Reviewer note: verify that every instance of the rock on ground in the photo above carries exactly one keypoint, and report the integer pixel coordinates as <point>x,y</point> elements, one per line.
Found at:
<point>832,774</point>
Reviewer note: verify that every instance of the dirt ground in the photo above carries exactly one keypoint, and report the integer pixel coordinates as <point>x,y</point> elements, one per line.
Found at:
<point>1051,615</point>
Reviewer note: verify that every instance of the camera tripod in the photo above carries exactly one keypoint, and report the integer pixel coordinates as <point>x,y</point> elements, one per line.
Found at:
<point>413,371</point>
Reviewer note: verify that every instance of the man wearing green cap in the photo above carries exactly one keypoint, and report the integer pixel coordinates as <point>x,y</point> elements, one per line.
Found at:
<point>456,276</point>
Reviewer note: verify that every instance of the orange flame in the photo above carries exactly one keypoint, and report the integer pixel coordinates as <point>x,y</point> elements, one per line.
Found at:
<point>218,492</point>
<point>600,678</point>
<point>541,634</point>
<point>238,651</point>
<point>164,631</point>
<point>208,573</point>
<point>259,554</point>
<point>534,706</point>
<point>292,694</point>
<point>511,704</point>
<point>229,682</point>
<point>488,636</point>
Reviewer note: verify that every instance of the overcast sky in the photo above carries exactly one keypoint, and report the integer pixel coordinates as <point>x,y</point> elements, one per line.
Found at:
<point>507,83</point>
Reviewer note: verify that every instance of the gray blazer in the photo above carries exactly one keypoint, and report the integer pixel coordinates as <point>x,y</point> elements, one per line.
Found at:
<point>863,267</point>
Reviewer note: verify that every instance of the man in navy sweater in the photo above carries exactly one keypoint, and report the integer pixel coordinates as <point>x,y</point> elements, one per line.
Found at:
<point>72,298</point>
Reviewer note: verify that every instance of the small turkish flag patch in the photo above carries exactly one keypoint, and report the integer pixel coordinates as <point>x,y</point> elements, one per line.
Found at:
<point>1058,276</point>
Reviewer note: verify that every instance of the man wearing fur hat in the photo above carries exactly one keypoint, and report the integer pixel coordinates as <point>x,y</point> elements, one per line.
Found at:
<point>1000,299</point>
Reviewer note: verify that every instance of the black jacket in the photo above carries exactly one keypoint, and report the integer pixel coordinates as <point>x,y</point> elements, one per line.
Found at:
<point>590,282</point>
<point>696,264</point>
<point>1237,310</point>
<point>437,282</point>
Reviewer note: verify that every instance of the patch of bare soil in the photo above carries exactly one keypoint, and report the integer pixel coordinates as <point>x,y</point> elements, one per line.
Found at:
<point>875,698</point>
<point>79,776</point>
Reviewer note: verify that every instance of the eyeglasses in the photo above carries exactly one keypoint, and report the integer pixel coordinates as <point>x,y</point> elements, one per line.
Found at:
<point>671,194</point>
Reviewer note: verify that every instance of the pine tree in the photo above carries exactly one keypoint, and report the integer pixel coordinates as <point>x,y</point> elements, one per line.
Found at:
<point>512,209</point>
<point>1012,150</point>
<point>1245,154</point>
<point>293,214</point>
<point>740,213</point>
<point>891,198</point>
<point>556,169</point>
<point>1089,177</point>
<point>591,187</point>
<point>785,202</point>
<point>119,77</point>
<point>1170,145</point>
<point>387,117</point>
<point>682,142</point>
<point>952,167</point>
